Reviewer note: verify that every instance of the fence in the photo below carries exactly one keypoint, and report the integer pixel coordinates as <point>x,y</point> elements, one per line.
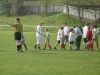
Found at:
<point>38,9</point>
<point>88,14</point>
<point>29,28</point>
<point>41,9</point>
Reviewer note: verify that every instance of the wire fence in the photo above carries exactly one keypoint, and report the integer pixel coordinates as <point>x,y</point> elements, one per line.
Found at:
<point>30,28</point>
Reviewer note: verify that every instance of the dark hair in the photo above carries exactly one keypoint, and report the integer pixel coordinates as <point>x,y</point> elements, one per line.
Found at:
<point>74,27</point>
<point>65,23</point>
<point>86,23</point>
<point>95,26</point>
<point>61,27</point>
<point>46,29</point>
<point>89,28</point>
<point>18,19</point>
<point>71,30</point>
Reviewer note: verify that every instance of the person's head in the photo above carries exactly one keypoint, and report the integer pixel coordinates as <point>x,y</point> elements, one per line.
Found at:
<point>89,28</point>
<point>41,23</point>
<point>46,29</point>
<point>61,27</point>
<point>95,26</point>
<point>18,20</point>
<point>71,30</point>
<point>65,24</point>
<point>74,27</point>
<point>87,24</point>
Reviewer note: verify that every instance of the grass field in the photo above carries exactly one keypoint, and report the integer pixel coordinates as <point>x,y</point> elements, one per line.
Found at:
<point>45,62</point>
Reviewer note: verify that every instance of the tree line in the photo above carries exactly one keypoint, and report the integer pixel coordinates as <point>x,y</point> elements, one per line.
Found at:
<point>15,7</point>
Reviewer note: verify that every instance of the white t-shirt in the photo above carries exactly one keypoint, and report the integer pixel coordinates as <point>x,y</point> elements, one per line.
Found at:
<point>58,35</point>
<point>61,33</point>
<point>71,37</point>
<point>38,31</point>
<point>66,31</point>
<point>85,28</point>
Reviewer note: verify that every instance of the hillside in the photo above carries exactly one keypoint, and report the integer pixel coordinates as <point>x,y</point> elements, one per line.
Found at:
<point>56,19</point>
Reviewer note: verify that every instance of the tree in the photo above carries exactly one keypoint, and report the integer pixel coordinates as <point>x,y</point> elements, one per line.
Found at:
<point>78,5</point>
<point>5,6</point>
<point>46,6</point>
<point>16,6</point>
<point>67,8</point>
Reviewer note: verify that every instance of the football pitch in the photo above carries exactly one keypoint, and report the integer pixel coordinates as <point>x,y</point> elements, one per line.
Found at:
<point>45,62</point>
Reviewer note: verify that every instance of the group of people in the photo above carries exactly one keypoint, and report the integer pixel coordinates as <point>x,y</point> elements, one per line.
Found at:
<point>72,36</point>
<point>90,34</point>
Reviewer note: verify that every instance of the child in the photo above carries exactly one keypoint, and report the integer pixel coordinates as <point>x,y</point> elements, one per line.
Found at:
<point>58,39</point>
<point>95,35</point>
<point>71,38</point>
<point>62,38</point>
<point>47,35</point>
<point>23,40</point>
<point>89,38</point>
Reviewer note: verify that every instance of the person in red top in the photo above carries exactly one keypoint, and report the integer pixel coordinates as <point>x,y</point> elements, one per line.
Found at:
<point>89,38</point>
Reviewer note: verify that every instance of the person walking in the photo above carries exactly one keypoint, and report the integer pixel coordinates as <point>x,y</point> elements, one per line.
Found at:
<point>62,39</point>
<point>38,36</point>
<point>58,39</point>
<point>23,40</point>
<point>47,41</point>
<point>78,34</point>
<point>95,33</point>
<point>71,39</point>
<point>85,28</point>
<point>89,39</point>
<point>66,33</point>
<point>18,27</point>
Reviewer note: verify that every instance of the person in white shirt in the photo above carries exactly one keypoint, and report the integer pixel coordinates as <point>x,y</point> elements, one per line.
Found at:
<point>85,28</point>
<point>66,33</point>
<point>58,38</point>
<point>71,38</point>
<point>38,35</point>
<point>47,41</point>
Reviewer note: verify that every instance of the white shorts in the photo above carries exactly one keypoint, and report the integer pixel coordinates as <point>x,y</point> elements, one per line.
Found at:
<point>38,40</point>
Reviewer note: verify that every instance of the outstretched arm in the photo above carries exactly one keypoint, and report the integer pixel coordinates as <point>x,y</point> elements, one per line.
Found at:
<point>7,23</point>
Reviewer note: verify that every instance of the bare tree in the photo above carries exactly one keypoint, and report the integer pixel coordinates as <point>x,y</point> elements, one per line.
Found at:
<point>67,8</point>
<point>46,6</point>
<point>16,6</point>
<point>78,5</point>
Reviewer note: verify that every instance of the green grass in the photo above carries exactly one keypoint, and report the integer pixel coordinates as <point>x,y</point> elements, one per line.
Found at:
<point>40,62</point>
<point>53,19</point>
<point>54,2</point>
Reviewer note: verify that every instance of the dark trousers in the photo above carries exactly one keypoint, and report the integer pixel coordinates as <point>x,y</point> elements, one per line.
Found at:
<point>78,42</point>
